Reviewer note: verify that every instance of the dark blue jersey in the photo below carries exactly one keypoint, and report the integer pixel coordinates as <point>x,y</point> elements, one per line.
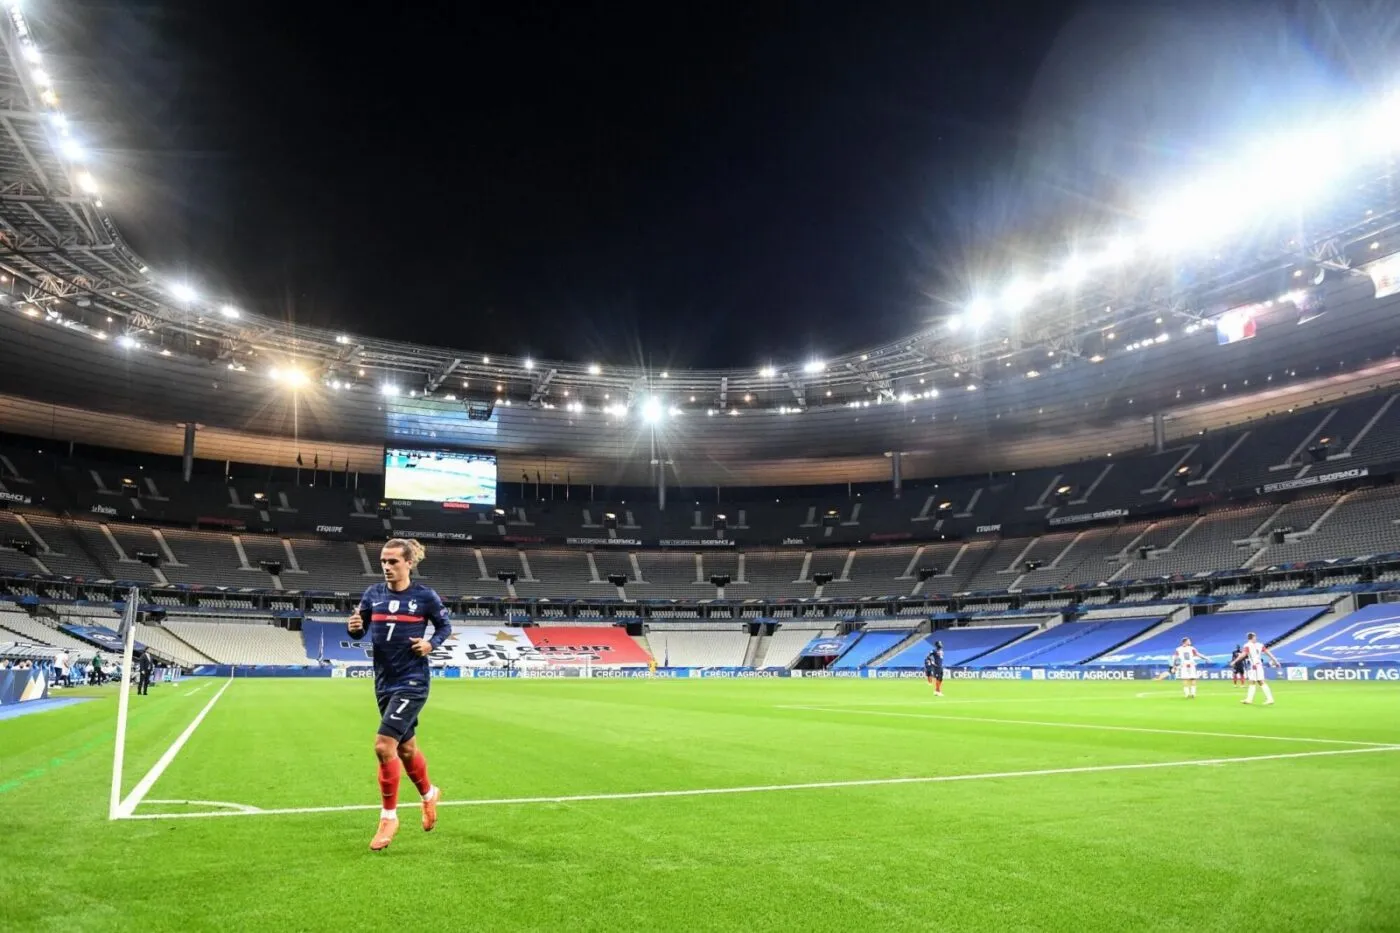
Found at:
<point>934,661</point>
<point>392,619</point>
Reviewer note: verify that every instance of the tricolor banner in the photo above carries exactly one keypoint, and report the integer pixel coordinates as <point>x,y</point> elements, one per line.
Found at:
<point>1236,324</point>
<point>1385,273</point>
<point>502,646</point>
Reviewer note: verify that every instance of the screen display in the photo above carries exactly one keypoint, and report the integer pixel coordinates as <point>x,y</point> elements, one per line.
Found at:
<point>451,477</point>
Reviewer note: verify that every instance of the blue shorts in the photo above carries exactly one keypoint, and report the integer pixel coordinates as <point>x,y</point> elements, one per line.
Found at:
<point>398,715</point>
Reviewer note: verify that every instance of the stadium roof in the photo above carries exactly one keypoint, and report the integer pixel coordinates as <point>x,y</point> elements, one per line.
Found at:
<point>66,268</point>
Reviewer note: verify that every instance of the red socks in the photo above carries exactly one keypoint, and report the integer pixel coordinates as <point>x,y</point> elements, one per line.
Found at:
<point>418,773</point>
<point>389,783</point>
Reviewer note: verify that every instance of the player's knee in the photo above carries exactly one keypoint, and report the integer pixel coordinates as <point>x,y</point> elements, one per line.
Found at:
<point>385,747</point>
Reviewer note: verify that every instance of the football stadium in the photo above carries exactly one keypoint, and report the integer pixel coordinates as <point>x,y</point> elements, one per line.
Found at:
<point>962,630</point>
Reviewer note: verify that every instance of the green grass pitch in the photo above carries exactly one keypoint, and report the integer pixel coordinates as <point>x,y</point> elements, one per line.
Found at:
<point>1291,821</point>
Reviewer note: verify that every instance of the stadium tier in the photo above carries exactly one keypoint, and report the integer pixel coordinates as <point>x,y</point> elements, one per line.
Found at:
<point>1068,643</point>
<point>1046,515</point>
<point>1215,635</point>
<point>868,648</point>
<point>961,646</point>
<point>1369,635</point>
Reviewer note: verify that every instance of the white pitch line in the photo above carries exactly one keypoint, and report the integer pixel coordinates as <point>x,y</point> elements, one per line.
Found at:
<point>195,690</point>
<point>202,803</point>
<point>770,788</point>
<point>1090,725</point>
<point>143,787</point>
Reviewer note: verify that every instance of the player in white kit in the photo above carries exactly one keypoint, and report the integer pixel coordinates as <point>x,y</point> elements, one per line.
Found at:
<point>1254,653</point>
<point>1184,666</point>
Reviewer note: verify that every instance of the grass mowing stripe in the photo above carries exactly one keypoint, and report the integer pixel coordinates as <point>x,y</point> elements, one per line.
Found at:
<point>770,788</point>
<point>70,756</point>
<point>1087,725</point>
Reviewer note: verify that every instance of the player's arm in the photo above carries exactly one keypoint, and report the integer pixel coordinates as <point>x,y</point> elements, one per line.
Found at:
<point>355,625</point>
<point>1271,656</point>
<point>442,629</point>
<point>442,626</point>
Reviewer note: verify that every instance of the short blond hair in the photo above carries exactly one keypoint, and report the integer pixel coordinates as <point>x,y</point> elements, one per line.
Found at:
<point>414,552</point>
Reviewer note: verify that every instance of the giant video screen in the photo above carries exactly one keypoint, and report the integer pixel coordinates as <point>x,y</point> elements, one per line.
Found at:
<point>454,478</point>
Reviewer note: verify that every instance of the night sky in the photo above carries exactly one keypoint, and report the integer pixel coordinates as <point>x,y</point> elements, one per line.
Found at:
<point>669,184</point>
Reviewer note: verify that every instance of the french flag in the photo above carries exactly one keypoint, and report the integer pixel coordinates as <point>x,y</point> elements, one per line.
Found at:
<point>1234,326</point>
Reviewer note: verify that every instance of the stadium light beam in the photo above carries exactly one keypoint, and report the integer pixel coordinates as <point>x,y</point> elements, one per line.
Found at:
<point>1018,296</point>
<point>812,367</point>
<point>979,312</point>
<point>652,410</point>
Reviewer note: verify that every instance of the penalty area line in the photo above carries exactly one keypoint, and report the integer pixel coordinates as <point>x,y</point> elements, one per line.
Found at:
<point>1092,725</point>
<point>773,788</point>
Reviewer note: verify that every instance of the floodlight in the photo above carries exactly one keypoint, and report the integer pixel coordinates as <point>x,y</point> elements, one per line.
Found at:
<point>529,363</point>
<point>295,378</point>
<point>72,150</point>
<point>1381,128</point>
<point>652,410</point>
<point>979,312</point>
<point>1120,249</point>
<point>955,323</point>
<point>127,341</point>
<point>767,372</point>
<point>594,369</point>
<point>87,183</point>
<point>1017,295</point>
<point>181,291</point>
<point>388,390</point>
<point>1074,271</point>
<point>814,366</point>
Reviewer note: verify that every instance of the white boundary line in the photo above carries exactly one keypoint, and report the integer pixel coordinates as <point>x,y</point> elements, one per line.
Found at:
<point>1090,725</point>
<point>769,788</point>
<point>143,787</point>
<point>202,803</point>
